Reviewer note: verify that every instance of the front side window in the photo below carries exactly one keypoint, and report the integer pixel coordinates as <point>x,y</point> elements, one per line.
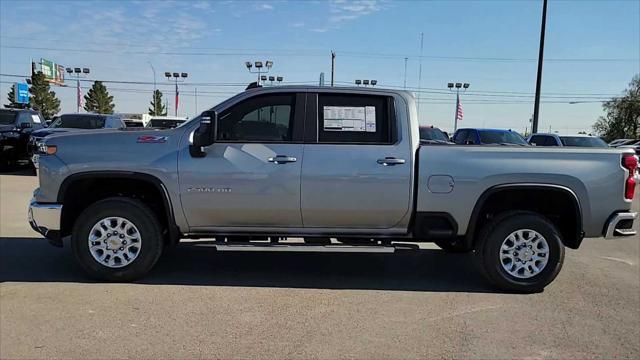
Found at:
<point>266,118</point>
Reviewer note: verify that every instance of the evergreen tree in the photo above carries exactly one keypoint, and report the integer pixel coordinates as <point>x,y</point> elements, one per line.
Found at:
<point>12,100</point>
<point>42,98</point>
<point>98,99</point>
<point>157,108</point>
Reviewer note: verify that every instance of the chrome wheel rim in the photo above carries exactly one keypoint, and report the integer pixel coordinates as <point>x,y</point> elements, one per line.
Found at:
<point>524,253</point>
<point>114,242</point>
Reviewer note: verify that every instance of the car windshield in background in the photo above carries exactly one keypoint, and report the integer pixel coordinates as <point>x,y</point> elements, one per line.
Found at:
<point>165,123</point>
<point>7,117</point>
<point>582,141</point>
<point>79,122</point>
<point>501,137</point>
<point>432,134</point>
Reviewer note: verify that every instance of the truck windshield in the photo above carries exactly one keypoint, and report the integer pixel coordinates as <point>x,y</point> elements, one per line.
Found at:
<point>78,122</point>
<point>165,123</point>
<point>8,117</point>
<point>432,134</point>
<point>501,137</point>
<point>582,141</point>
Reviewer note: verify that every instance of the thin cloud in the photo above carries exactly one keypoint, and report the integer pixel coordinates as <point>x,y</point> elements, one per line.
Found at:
<point>343,11</point>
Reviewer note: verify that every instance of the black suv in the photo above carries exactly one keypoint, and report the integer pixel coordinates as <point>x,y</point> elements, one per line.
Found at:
<point>16,126</point>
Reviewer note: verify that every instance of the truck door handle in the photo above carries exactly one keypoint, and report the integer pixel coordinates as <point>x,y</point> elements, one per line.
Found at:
<point>388,161</point>
<point>282,159</point>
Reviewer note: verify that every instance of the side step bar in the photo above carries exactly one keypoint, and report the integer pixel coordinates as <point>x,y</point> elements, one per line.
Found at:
<point>310,248</point>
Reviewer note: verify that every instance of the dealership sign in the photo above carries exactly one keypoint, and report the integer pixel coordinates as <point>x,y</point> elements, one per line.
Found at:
<point>53,73</point>
<point>21,93</point>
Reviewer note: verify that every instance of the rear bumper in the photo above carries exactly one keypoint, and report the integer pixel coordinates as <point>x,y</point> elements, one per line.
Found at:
<point>45,219</point>
<point>620,225</point>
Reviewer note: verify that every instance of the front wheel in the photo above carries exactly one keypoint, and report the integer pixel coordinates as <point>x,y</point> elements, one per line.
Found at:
<point>117,239</point>
<point>520,251</point>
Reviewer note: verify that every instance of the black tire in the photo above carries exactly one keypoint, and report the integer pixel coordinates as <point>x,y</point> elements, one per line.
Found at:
<point>135,212</point>
<point>490,242</point>
<point>452,247</point>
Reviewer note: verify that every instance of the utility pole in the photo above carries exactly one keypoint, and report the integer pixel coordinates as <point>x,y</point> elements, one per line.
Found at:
<point>333,66</point>
<point>405,73</point>
<point>420,72</point>
<point>536,106</point>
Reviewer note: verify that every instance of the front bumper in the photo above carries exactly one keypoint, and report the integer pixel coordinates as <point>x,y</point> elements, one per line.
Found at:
<point>620,224</point>
<point>45,219</point>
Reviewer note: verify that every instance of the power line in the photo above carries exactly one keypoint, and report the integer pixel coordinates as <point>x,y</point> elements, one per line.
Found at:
<point>312,53</point>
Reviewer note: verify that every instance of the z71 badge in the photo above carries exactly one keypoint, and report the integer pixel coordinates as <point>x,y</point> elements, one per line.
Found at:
<point>208,189</point>
<point>152,139</point>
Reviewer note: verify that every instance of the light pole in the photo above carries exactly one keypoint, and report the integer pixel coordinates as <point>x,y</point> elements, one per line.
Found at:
<point>536,104</point>
<point>457,115</point>
<point>259,66</point>
<point>176,77</point>
<point>154,76</point>
<point>78,73</point>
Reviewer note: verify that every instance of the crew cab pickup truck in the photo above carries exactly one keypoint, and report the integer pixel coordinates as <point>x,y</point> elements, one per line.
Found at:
<point>342,168</point>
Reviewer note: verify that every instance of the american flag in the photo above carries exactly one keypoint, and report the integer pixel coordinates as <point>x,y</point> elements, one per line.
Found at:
<point>80,98</point>
<point>459,112</point>
<point>177,97</point>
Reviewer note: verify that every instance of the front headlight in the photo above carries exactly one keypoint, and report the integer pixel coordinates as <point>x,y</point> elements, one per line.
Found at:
<point>47,149</point>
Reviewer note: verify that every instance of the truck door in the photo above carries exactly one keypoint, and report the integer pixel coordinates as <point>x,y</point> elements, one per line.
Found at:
<point>357,166</point>
<point>251,175</point>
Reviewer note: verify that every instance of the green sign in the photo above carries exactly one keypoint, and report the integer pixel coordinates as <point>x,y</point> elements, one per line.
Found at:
<point>53,72</point>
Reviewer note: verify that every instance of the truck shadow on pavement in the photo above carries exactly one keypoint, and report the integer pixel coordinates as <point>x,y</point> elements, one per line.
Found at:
<point>34,260</point>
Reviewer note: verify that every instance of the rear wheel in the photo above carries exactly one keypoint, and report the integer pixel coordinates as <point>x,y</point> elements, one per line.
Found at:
<point>117,239</point>
<point>520,251</point>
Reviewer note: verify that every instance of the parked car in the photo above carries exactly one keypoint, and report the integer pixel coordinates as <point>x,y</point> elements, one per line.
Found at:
<point>165,122</point>
<point>314,162</point>
<point>488,137</point>
<point>566,140</point>
<point>433,134</point>
<point>16,125</point>
<point>72,122</point>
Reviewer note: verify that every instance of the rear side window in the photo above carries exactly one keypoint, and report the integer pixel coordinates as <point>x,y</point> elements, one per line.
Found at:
<point>349,119</point>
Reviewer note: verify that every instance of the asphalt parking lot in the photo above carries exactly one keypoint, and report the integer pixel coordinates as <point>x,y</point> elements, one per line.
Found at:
<point>201,304</point>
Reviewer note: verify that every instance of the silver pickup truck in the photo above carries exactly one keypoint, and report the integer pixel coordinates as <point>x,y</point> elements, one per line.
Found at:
<point>341,168</point>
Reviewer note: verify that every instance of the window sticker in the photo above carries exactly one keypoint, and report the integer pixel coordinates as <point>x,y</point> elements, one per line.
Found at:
<point>35,118</point>
<point>350,118</point>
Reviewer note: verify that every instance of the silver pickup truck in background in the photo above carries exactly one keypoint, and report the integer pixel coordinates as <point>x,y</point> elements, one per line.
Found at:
<point>323,163</point>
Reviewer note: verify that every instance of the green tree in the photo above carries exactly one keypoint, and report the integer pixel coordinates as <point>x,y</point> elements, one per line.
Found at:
<point>42,98</point>
<point>98,99</point>
<point>622,115</point>
<point>11,96</point>
<point>157,108</point>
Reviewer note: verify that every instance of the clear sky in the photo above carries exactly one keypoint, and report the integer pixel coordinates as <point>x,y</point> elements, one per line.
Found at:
<point>592,51</point>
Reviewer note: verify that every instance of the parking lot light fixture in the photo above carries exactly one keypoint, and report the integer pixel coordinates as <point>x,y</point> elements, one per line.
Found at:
<point>77,70</point>
<point>358,82</point>
<point>456,87</point>
<point>261,68</point>
<point>85,70</point>
<point>374,82</point>
<point>365,82</point>
<point>69,70</point>
<point>176,77</point>
<point>279,79</point>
